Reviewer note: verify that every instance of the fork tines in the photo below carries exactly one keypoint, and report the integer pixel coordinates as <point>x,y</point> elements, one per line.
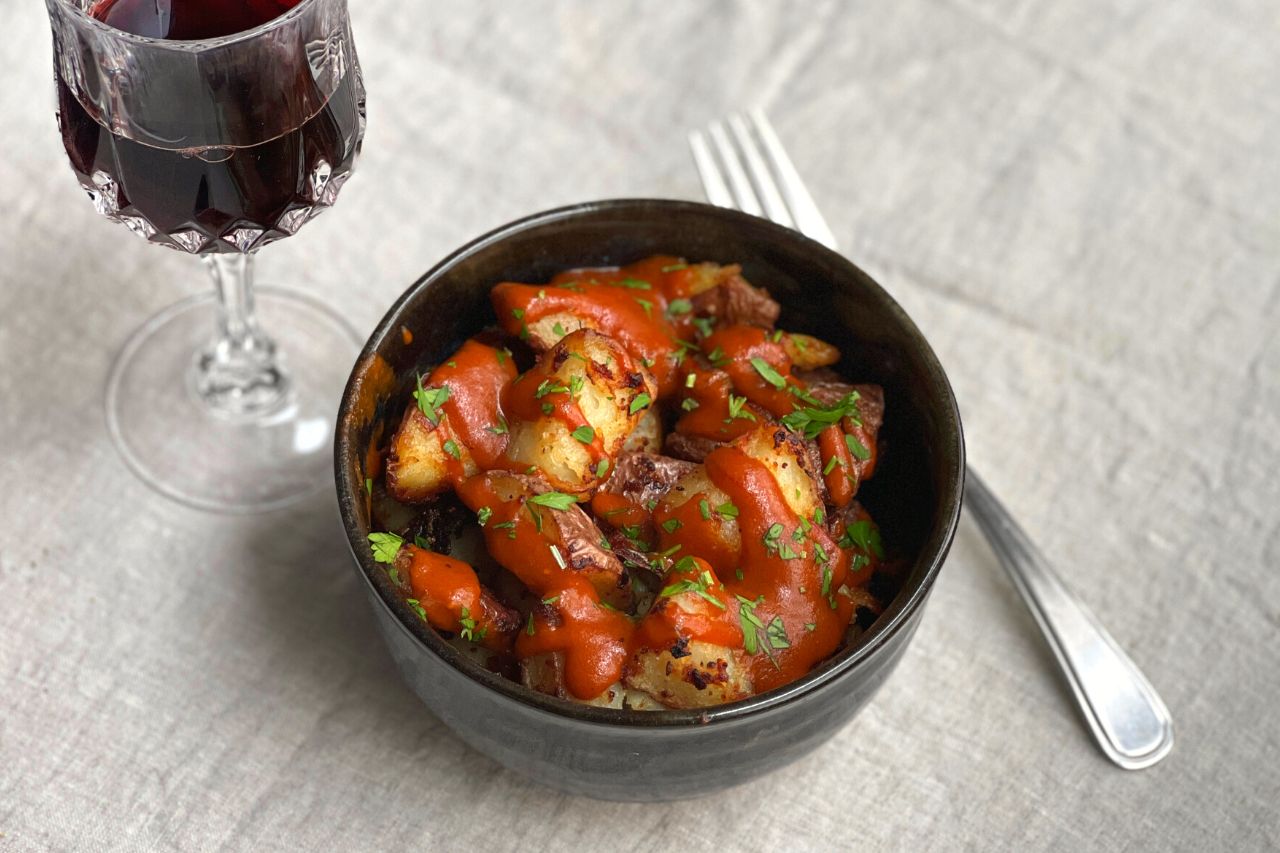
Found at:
<point>743,165</point>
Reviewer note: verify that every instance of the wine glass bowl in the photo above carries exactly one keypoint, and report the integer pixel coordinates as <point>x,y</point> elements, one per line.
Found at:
<point>216,127</point>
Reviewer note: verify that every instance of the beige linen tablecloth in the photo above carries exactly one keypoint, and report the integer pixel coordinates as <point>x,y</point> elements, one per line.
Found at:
<point>1079,203</point>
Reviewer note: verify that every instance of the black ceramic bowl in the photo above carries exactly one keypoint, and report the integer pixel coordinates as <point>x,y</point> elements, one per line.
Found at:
<point>915,496</point>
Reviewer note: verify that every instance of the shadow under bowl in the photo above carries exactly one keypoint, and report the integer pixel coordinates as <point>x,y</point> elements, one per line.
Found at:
<point>915,497</point>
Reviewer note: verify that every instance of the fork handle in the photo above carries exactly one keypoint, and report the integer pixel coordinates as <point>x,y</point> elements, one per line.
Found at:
<point>1123,710</point>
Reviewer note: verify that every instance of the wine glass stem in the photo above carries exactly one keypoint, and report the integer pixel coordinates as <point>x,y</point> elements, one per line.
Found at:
<point>238,376</point>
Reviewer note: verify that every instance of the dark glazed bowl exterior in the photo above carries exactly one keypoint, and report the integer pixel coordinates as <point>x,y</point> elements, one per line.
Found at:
<point>915,496</point>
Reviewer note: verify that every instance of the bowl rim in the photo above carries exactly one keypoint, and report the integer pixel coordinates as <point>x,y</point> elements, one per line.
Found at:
<point>900,611</point>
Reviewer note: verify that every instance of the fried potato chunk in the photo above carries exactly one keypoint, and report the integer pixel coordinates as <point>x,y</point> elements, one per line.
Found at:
<point>573,411</point>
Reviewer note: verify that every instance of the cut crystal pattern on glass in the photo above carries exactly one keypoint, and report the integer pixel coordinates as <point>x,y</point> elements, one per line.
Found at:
<point>243,238</point>
<point>190,240</point>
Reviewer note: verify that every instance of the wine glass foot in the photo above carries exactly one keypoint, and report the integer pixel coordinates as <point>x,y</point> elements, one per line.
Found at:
<point>179,445</point>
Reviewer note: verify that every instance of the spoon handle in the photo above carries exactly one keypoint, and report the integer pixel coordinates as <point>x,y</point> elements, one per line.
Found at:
<point>1129,721</point>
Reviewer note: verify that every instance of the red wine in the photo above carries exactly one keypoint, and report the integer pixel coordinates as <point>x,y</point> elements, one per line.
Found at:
<point>188,19</point>
<point>213,198</point>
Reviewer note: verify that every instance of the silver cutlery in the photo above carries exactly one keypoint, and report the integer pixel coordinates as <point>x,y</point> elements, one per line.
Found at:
<point>743,166</point>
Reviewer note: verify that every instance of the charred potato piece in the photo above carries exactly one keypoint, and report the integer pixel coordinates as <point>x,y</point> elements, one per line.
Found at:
<point>647,435</point>
<point>704,674</point>
<point>430,450</point>
<point>593,374</point>
<point>437,587</point>
<point>788,457</point>
<point>807,352</point>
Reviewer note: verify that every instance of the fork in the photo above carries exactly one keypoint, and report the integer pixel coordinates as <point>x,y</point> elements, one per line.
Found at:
<point>743,166</point>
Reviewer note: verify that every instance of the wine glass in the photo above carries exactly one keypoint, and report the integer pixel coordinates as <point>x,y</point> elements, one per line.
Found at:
<point>215,127</point>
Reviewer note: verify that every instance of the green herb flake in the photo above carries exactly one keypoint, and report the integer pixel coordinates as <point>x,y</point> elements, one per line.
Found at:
<point>768,373</point>
<point>385,546</point>
<point>601,467</point>
<point>501,428</point>
<point>735,408</point>
<point>536,516</point>
<point>528,625</point>
<point>468,632</point>
<point>865,535</point>
<point>704,509</point>
<point>671,525</point>
<point>430,400</point>
<point>679,306</point>
<point>555,500</point>
<point>830,466</point>
<point>509,526</point>
<point>636,284</point>
<point>585,434</point>
<point>558,330</point>
<point>689,404</point>
<point>704,326</point>
<point>690,379</point>
<point>639,402</point>
<point>856,448</point>
<point>717,357</point>
<point>674,267</point>
<point>811,420</point>
<point>451,447</point>
<point>728,510</point>
<point>483,515</point>
<point>546,387</point>
<point>518,313</point>
<point>416,607</point>
<point>368,485</point>
<point>699,586</point>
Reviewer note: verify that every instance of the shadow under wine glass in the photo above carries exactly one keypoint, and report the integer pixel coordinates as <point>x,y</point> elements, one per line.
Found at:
<point>214,129</point>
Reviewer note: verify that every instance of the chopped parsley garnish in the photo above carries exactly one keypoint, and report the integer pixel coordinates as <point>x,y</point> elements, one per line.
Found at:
<point>416,606</point>
<point>756,636</point>
<point>546,387</point>
<point>704,509</point>
<point>819,517</point>
<point>863,534</point>
<point>551,599</point>
<point>575,385</point>
<point>601,467</point>
<point>717,357</point>
<point>558,330</point>
<point>368,485</point>
<point>635,284</point>
<point>469,632</point>
<point>735,408</point>
<point>703,325</point>
<point>518,313</point>
<point>811,420</point>
<point>547,408</point>
<point>689,404</point>
<point>699,586</point>
<point>501,428</point>
<point>810,626</point>
<point>509,526</point>
<point>421,542</point>
<point>585,434</point>
<point>690,379</point>
<point>679,306</point>
<point>555,500</point>
<point>528,625</point>
<point>451,447</point>
<point>674,267</point>
<point>776,336</point>
<point>728,510</point>
<point>830,466</point>
<point>767,373</point>
<point>483,515</point>
<point>826,581</point>
<point>536,516</point>
<point>856,448</point>
<point>671,525</point>
<point>385,546</point>
<point>430,400</point>
<point>646,305</point>
<point>641,400</point>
